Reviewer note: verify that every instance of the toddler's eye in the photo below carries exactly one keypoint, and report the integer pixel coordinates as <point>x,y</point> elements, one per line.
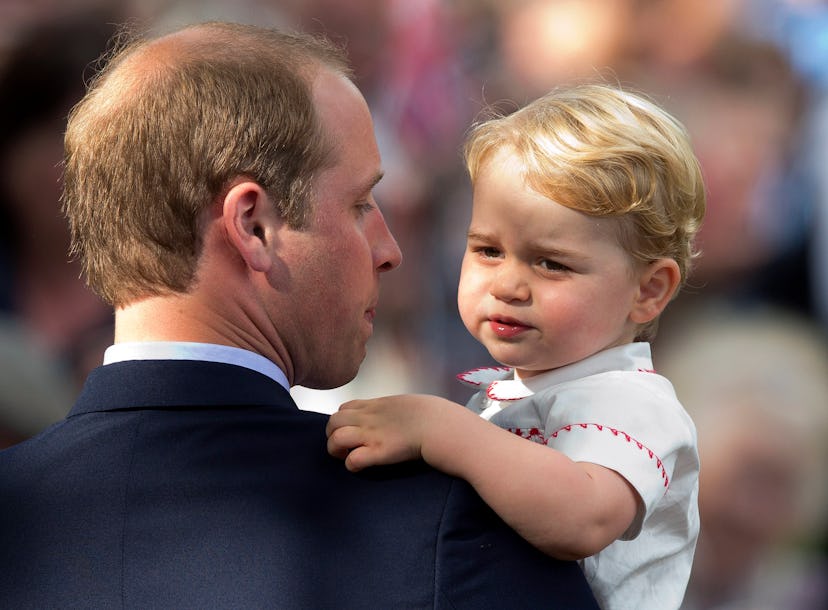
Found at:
<point>550,265</point>
<point>489,252</point>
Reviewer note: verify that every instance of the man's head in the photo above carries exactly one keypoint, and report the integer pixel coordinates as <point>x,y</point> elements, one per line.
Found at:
<point>166,126</point>
<point>219,188</point>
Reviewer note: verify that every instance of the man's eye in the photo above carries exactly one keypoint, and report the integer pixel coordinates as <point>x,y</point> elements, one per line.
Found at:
<point>365,207</point>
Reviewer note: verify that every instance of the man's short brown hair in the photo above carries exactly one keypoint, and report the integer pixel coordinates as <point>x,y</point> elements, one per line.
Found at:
<point>164,128</point>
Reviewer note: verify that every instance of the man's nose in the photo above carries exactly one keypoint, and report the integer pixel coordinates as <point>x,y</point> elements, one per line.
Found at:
<point>387,253</point>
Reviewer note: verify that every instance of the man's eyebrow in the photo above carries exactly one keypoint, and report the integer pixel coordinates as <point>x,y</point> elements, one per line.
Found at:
<point>369,186</point>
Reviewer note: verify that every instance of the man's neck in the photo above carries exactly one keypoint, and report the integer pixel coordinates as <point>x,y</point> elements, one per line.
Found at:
<point>184,318</point>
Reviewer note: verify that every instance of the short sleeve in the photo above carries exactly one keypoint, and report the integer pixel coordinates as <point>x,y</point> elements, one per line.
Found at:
<point>629,422</point>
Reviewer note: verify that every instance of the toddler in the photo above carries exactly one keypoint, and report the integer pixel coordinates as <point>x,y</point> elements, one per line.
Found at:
<point>585,206</point>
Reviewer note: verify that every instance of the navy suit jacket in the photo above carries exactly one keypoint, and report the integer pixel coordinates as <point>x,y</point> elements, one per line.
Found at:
<point>182,484</point>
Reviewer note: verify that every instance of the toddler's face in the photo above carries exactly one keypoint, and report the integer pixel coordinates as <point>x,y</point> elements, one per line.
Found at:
<point>542,285</point>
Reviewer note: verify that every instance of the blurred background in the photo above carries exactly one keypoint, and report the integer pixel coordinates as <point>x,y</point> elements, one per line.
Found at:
<point>745,344</point>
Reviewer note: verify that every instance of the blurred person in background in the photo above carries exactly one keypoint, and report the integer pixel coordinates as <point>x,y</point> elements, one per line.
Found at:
<point>802,32</point>
<point>743,105</point>
<point>41,78</point>
<point>35,390</point>
<point>756,384</point>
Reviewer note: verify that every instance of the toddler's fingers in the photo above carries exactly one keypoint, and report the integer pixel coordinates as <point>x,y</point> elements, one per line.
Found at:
<point>360,458</point>
<point>352,404</point>
<point>340,419</point>
<point>343,440</point>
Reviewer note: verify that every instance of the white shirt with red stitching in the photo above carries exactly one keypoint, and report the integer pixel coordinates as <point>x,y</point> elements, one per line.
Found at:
<point>612,409</point>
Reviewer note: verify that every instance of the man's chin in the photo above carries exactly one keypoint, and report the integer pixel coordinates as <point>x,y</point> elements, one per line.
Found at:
<point>333,378</point>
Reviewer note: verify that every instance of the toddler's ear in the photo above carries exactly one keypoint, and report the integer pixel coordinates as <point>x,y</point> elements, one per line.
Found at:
<point>658,282</point>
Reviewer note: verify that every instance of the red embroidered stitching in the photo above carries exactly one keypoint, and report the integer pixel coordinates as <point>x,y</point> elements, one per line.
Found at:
<point>490,392</point>
<point>462,376</point>
<point>531,434</point>
<point>536,435</point>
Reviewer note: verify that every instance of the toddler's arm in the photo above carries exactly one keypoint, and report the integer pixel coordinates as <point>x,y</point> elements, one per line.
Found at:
<point>567,509</point>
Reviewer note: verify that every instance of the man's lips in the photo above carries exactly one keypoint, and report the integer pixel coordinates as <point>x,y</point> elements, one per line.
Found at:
<point>370,314</point>
<point>506,328</point>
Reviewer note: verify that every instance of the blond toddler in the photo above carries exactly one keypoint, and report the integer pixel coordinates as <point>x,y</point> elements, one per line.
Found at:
<point>585,206</point>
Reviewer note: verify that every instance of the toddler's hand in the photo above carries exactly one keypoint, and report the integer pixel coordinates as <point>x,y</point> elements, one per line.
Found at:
<point>384,430</point>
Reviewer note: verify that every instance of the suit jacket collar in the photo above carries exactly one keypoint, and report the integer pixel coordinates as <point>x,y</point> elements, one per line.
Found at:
<point>137,384</point>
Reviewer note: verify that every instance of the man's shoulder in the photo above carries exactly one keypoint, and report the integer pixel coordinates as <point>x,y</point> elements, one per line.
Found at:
<point>240,503</point>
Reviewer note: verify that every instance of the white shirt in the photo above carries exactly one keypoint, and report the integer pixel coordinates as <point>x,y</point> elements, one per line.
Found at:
<point>180,350</point>
<point>612,409</point>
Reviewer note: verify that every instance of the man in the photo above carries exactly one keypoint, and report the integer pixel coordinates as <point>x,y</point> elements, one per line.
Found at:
<point>218,185</point>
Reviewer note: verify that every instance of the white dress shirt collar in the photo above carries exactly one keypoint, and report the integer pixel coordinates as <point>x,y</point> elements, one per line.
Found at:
<point>179,350</point>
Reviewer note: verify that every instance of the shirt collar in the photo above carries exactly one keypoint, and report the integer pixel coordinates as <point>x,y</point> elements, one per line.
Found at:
<point>209,352</point>
<point>501,383</point>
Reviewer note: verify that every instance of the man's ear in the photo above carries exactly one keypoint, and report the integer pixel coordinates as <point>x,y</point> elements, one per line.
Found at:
<point>658,282</point>
<point>250,219</point>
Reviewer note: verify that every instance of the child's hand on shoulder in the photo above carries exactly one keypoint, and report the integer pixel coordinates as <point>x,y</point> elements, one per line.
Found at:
<point>383,430</point>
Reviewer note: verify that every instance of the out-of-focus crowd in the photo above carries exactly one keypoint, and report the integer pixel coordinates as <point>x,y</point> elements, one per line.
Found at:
<point>745,345</point>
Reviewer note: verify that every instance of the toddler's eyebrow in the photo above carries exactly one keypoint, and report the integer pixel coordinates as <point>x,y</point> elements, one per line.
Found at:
<point>545,248</point>
<point>478,236</point>
<point>553,251</point>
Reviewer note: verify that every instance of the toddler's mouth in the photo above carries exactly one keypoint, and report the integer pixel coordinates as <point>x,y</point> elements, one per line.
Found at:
<point>507,327</point>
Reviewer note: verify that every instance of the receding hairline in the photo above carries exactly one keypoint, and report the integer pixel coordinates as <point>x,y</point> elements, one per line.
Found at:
<point>137,57</point>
